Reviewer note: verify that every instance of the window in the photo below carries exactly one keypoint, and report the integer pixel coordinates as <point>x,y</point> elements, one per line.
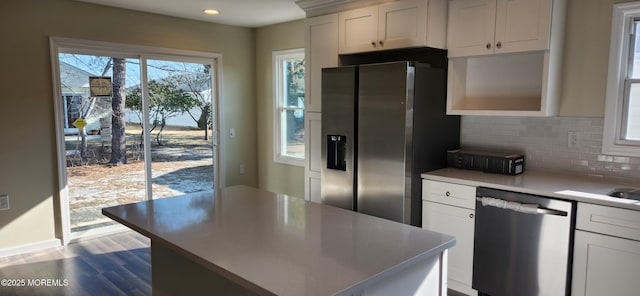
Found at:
<point>622,116</point>
<point>288,87</point>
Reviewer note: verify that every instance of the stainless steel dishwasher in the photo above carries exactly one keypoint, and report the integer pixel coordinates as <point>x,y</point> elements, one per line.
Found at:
<point>522,244</point>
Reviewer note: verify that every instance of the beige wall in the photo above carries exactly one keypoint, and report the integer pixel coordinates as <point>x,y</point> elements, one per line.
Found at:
<point>586,57</point>
<point>28,169</point>
<point>274,176</point>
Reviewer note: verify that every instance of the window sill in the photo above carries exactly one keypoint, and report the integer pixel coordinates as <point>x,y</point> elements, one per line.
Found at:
<point>622,150</point>
<point>294,161</point>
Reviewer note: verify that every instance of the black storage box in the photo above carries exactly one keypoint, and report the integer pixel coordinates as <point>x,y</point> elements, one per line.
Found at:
<point>490,162</point>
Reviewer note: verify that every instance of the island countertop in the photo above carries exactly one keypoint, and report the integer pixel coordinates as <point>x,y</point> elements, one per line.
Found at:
<point>277,244</point>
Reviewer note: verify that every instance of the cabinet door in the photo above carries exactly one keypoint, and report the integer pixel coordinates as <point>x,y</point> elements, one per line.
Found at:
<point>358,30</point>
<point>313,161</point>
<point>471,27</point>
<point>402,24</point>
<point>605,265</point>
<point>321,51</point>
<point>522,25</point>
<point>458,222</point>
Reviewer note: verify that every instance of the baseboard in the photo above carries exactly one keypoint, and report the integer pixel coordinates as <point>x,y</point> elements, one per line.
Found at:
<point>32,247</point>
<point>92,233</point>
<point>460,288</point>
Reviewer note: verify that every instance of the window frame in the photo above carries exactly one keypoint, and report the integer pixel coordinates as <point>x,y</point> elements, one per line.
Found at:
<point>279,119</point>
<point>619,81</point>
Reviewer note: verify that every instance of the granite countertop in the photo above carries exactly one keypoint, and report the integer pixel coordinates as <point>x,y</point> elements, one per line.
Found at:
<point>563,186</point>
<point>277,244</point>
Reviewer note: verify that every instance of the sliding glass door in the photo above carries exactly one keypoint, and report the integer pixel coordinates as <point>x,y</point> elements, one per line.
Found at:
<point>180,125</point>
<point>95,179</point>
<point>131,128</point>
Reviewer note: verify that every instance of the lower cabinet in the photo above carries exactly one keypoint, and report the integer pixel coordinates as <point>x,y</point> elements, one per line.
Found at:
<point>606,257</point>
<point>606,254</point>
<point>605,265</point>
<point>456,221</point>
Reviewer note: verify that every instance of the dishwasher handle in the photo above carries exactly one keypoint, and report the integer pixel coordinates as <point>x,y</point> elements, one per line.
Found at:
<point>519,207</point>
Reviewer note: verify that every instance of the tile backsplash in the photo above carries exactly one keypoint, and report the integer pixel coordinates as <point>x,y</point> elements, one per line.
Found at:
<point>545,143</point>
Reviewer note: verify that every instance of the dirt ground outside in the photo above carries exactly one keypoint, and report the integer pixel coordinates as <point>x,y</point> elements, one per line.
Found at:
<point>183,164</point>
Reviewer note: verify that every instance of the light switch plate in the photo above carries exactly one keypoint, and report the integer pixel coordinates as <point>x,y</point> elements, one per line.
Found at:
<point>4,202</point>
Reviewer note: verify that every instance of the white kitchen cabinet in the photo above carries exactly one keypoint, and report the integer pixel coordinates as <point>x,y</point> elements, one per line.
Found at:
<point>313,163</point>
<point>358,30</point>
<point>484,81</point>
<point>321,51</point>
<point>450,208</point>
<point>618,222</point>
<point>606,258</point>
<point>471,28</point>
<point>605,265</point>
<point>483,27</point>
<point>391,25</point>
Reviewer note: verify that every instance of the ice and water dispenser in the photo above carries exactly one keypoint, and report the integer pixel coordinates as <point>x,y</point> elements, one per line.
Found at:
<point>336,152</point>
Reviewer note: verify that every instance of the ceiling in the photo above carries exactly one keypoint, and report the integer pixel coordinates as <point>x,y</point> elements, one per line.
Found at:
<point>244,13</point>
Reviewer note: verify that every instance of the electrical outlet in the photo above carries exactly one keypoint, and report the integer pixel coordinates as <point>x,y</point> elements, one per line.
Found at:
<point>241,169</point>
<point>573,140</point>
<point>4,202</point>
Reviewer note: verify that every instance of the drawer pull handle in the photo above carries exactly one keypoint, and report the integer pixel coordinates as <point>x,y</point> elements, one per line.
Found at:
<point>447,193</point>
<point>471,216</point>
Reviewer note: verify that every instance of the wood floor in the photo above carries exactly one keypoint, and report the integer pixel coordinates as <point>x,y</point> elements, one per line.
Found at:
<point>112,265</point>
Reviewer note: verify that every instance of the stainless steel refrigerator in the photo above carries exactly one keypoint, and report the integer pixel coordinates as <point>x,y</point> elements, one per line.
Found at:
<point>383,125</point>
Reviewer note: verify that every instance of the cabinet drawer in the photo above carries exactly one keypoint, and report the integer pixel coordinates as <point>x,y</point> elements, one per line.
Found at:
<point>449,193</point>
<point>608,220</point>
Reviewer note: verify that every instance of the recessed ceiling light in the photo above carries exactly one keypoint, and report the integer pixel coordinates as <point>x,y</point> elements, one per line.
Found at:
<point>211,11</point>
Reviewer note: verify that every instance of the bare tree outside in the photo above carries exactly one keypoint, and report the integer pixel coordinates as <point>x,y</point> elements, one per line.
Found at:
<point>166,100</point>
<point>118,124</point>
<point>197,81</point>
<point>106,161</point>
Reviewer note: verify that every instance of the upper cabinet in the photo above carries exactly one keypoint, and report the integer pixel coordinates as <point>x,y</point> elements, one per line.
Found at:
<point>391,25</point>
<point>484,27</point>
<point>505,57</point>
<point>321,51</point>
<point>358,30</point>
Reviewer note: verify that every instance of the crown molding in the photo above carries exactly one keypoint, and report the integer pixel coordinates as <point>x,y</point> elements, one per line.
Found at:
<point>320,7</point>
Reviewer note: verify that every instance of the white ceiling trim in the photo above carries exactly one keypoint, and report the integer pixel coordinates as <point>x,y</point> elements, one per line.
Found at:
<point>243,13</point>
<point>320,7</point>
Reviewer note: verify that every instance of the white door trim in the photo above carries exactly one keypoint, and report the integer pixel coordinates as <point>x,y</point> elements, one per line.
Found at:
<point>90,47</point>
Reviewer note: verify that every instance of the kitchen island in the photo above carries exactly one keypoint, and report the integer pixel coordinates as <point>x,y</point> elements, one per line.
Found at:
<point>245,241</point>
